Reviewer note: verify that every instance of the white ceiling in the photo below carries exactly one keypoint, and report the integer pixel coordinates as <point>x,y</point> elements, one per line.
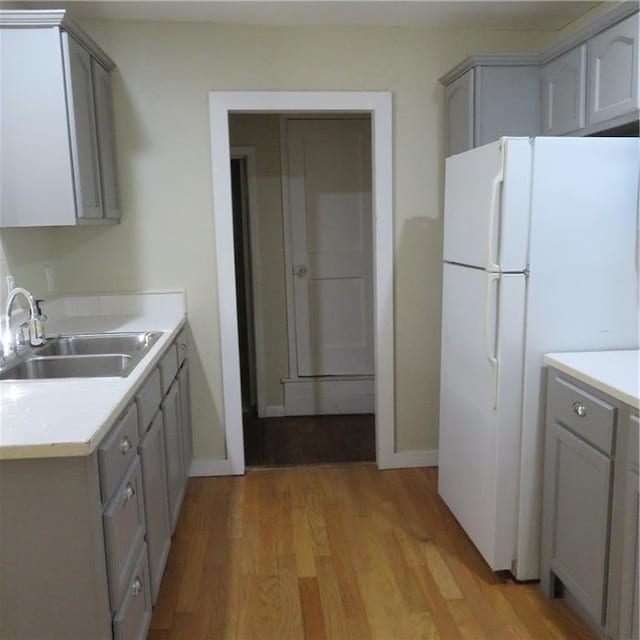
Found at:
<point>425,13</point>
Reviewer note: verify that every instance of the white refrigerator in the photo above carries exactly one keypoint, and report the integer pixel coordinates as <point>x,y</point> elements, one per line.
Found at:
<point>540,255</point>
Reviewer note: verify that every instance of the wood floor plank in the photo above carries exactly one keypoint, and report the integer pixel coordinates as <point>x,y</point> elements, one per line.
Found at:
<point>339,552</point>
<point>312,612</point>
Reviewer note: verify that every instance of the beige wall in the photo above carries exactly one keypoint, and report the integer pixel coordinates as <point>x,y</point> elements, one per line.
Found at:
<point>262,132</point>
<point>166,238</point>
<point>25,254</point>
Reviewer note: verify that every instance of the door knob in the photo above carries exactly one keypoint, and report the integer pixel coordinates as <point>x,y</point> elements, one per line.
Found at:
<point>300,272</point>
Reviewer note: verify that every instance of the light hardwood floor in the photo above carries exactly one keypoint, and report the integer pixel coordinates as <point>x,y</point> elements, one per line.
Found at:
<point>338,552</point>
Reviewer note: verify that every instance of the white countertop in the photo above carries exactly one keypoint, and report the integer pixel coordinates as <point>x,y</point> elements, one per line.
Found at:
<point>70,416</point>
<point>612,372</point>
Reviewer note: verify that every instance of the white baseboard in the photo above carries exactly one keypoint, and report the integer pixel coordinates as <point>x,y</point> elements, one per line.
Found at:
<point>273,411</point>
<point>206,467</point>
<point>329,396</point>
<point>409,459</point>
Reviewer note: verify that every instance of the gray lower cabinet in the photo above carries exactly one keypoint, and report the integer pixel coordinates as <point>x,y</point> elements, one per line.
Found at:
<point>590,528</point>
<point>173,451</point>
<point>152,455</point>
<point>629,594</point>
<point>185,413</point>
<point>84,540</point>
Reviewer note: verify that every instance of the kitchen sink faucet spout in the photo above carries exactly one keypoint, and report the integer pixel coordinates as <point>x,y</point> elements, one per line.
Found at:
<point>35,324</point>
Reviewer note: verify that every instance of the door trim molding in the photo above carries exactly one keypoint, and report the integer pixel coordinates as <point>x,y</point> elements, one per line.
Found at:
<point>379,105</point>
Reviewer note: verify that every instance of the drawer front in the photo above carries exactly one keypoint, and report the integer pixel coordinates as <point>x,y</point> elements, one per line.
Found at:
<point>169,367</point>
<point>182,341</point>
<point>584,414</point>
<point>148,400</point>
<point>124,527</point>
<point>131,621</point>
<point>117,451</point>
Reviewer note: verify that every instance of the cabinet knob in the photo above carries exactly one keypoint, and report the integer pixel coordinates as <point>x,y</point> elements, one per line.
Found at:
<point>579,409</point>
<point>136,587</point>
<point>129,492</point>
<point>125,445</point>
<point>183,346</point>
<point>300,272</point>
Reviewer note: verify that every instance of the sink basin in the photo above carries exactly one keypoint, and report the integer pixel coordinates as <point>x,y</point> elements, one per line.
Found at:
<point>38,367</point>
<point>95,355</point>
<point>101,344</point>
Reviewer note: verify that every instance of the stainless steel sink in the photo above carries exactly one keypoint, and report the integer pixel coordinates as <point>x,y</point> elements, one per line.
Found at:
<point>96,355</point>
<point>39,367</point>
<point>101,344</point>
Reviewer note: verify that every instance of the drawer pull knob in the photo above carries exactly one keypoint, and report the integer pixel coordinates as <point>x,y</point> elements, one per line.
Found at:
<point>125,445</point>
<point>183,346</point>
<point>579,409</point>
<point>136,587</point>
<point>129,492</point>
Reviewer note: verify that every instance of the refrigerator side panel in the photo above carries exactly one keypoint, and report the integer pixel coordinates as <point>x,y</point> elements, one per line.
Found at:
<point>479,442</point>
<point>582,287</point>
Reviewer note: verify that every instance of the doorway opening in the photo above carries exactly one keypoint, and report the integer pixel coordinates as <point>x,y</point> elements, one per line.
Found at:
<point>377,105</point>
<point>308,216</point>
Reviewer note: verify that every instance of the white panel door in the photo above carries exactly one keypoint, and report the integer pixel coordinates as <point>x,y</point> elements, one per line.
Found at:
<point>486,206</point>
<point>480,399</point>
<point>331,231</point>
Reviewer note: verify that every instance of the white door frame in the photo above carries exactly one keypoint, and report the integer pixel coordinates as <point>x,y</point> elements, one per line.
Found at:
<point>378,105</point>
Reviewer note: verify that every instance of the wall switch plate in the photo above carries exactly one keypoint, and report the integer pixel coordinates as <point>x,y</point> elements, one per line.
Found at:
<point>11,283</point>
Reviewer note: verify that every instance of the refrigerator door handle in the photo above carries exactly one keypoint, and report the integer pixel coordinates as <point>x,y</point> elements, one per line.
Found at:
<point>494,209</point>
<point>489,338</point>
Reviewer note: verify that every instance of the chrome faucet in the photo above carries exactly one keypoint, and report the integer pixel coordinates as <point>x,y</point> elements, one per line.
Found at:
<point>35,326</point>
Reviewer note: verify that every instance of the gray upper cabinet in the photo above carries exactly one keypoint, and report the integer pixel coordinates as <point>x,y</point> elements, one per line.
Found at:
<point>57,158</point>
<point>613,72</point>
<point>491,96</point>
<point>459,96</point>
<point>564,90</point>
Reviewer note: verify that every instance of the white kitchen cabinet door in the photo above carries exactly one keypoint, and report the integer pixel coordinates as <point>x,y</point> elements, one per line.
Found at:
<point>460,113</point>
<point>613,72</point>
<point>106,139</point>
<point>564,82</point>
<point>82,129</point>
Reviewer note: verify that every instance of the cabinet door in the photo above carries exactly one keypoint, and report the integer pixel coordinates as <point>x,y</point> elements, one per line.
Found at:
<point>460,104</point>
<point>106,140</point>
<point>629,594</point>
<point>82,129</point>
<point>173,452</point>
<point>564,81</point>
<point>156,505</point>
<point>507,102</point>
<point>576,518</point>
<point>613,72</point>
<point>185,410</point>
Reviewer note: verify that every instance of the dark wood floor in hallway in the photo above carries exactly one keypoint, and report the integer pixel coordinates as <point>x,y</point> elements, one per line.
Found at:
<point>338,552</point>
<point>295,440</point>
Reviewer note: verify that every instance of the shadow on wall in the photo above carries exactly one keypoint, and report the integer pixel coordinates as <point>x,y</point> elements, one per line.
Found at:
<point>418,272</point>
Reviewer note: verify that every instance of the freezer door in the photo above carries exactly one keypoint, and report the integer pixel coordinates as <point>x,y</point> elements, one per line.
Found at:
<point>480,400</point>
<point>486,210</point>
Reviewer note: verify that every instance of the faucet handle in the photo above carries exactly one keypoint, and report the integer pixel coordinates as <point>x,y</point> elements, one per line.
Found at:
<point>41,316</point>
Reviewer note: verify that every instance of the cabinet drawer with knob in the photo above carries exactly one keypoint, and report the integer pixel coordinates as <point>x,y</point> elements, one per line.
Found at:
<point>117,451</point>
<point>183,346</point>
<point>132,619</point>
<point>586,415</point>
<point>124,529</point>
